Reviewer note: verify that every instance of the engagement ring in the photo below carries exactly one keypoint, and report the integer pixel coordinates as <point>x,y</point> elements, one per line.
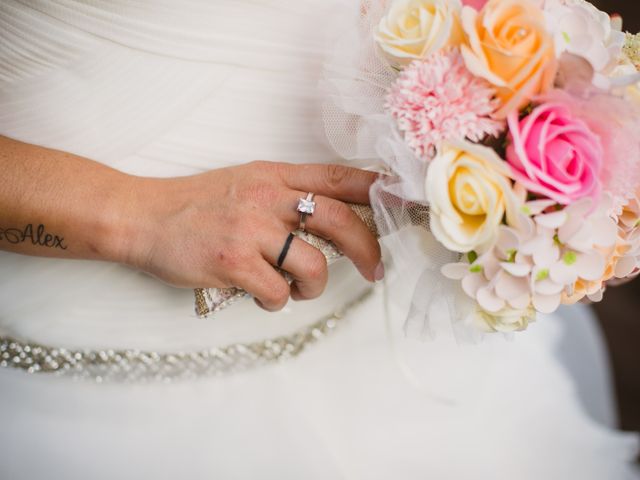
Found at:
<point>306,206</point>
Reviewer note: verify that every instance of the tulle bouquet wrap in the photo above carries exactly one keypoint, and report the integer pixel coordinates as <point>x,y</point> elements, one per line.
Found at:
<point>516,123</point>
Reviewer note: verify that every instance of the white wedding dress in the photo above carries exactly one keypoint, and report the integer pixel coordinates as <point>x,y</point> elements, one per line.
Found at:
<point>173,87</point>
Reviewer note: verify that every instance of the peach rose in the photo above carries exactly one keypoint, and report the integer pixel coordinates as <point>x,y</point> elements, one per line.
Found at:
<point>508,45</point>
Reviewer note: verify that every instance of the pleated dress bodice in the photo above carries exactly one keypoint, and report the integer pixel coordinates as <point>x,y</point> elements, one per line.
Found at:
<point>158,89</point>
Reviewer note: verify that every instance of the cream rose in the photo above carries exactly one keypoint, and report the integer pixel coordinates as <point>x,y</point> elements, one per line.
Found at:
<point>506,321</point>
<point>469,192</point>
<point>413,29</point>
<point>507,44</point>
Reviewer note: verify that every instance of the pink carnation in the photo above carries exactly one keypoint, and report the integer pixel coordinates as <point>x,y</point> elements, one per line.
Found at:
<point>438,99</point>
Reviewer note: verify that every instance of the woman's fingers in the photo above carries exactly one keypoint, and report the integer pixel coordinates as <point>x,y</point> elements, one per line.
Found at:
<point>263,193</point>
<point>306,264</point>
<point>334,181</point>
<point>269,288</point>
<point>335,221</point>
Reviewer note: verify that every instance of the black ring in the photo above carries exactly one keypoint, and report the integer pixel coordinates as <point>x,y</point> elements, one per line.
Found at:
<point>285,249</point>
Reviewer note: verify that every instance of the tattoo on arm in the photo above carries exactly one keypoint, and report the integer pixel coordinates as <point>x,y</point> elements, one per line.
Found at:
<point>36,235</point>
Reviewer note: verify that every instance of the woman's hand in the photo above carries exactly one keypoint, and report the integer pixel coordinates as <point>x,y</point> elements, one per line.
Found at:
<point>227,228</point>
<point>222,228</point>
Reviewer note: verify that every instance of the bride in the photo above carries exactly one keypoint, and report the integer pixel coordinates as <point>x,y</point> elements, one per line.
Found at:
<point>130,134</point>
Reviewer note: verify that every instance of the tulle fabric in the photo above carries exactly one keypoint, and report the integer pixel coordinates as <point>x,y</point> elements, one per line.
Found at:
<point>356,80</point>
<point>181,87</point>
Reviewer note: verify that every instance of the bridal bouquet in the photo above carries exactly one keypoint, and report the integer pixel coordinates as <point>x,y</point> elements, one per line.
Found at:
<point>517,123</point>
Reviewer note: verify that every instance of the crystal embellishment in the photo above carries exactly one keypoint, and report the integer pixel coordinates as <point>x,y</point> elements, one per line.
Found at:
<point>306,206</point>
<point>142,366</point>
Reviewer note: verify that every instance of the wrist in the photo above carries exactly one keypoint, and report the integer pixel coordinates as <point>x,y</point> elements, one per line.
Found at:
<point>124,219</point>
<point>145,206</point>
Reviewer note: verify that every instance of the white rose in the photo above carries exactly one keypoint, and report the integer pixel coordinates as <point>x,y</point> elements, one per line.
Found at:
<point>581,29</point>
<point>469,192</point>
<point>413,29</point>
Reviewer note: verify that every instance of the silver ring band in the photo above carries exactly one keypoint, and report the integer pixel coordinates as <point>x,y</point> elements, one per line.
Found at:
<point>306,206</point>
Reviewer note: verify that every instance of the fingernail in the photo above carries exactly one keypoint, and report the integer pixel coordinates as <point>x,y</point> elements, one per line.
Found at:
<point>379,272</point>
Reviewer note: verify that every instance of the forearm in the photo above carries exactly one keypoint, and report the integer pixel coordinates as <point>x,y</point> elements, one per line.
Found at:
<point>56,204</point>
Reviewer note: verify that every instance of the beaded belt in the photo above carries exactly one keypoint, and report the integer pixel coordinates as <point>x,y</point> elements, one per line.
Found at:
<point>137,365</point>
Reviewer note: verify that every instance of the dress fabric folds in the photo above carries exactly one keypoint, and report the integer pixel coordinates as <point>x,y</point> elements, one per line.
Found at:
<point>169,88</point>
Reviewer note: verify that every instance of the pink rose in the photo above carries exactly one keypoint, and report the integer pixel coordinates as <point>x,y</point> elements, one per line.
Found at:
<point>555,154</point>
<point>477,4</point>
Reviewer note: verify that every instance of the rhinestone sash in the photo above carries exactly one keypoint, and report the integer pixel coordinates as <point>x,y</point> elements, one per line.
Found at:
<point>136,365</point>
